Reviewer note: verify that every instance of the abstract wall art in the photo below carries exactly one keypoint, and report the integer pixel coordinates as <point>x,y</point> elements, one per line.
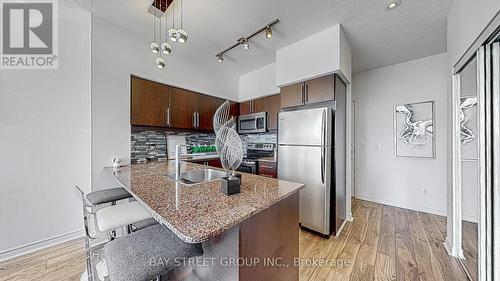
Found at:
<point>414,130</point>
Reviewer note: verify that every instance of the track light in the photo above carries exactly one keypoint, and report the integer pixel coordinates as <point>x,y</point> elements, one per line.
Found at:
<point>244,43</point>
<point>269,32</point>
<point>220,58</point>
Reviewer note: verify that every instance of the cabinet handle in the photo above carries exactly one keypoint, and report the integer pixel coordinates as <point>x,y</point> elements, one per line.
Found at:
<point>197,119</point>
<point>307,93</point>
<point>194,119</point>
<point>168,116</point>
<point>302,93</point>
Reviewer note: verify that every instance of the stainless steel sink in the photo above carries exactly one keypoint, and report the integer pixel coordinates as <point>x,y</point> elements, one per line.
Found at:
<point>199,176</point>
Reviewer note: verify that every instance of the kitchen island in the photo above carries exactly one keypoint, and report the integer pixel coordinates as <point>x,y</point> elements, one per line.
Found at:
<point>252,235</point>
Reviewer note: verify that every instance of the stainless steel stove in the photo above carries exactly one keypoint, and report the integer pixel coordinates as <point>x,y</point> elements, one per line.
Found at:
<point>254,152</point>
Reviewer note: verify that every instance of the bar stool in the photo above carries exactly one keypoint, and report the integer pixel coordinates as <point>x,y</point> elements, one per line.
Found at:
<point>108,218</point>
<point>129,258</point>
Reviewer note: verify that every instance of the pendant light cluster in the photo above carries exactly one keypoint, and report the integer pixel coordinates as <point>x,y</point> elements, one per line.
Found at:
<point>243,41</point>
<point>172,34</point>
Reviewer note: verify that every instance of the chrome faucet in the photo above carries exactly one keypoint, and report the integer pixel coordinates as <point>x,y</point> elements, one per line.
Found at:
<point>178,161</point>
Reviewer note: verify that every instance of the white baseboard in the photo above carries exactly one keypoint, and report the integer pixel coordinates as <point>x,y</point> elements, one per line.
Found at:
<point>403,205</point>
<point>349,217</point>
<point>39,245</point>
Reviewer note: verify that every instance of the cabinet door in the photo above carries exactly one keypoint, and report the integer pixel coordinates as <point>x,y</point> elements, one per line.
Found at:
<point>273,108</point>
<point>259,105</point>
<point>149,103</point>
<point>235,110</point>
<point>245,107</point>
<point>292,95</point>
<point>320,89</point>
<point>182,104</point>
<point>206,107</point>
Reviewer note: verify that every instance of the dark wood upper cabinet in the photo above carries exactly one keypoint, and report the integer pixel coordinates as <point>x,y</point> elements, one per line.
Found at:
<point>292,95</point>
<point>235,109</point>
<point>159,105</point>
<point>273,108</point>
<point>205,108</point>
<point>245,107</point>
<point>182,103</point>
<point>150,103</point>
<point>312,91</point>
<point>259,105</point>
<point>320,89</point>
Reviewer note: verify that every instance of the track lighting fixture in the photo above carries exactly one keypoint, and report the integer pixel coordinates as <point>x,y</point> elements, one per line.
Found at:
<point>269,32</point>
<point>244,41</point>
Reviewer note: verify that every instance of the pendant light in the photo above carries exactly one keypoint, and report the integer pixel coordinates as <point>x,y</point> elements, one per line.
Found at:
<point>153,46</point>
<point>172,32</point>
<point>159,61</point>
<point>181,34</point>
<point>165,46</point>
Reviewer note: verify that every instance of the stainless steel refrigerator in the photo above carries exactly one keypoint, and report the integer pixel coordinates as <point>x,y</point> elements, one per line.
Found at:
<point>306,154</point>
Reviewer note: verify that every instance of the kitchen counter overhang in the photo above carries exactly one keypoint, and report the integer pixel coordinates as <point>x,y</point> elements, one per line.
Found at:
<point>199,212</point>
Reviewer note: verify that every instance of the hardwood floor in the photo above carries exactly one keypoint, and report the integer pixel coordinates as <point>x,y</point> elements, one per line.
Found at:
<point>383,243</point>
<point>62,262</point>
<point>469,235</point>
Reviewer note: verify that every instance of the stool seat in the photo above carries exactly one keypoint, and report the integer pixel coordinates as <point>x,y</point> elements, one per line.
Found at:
<point>107,195</point>
<point>136,257</point>
<point>111,217</point>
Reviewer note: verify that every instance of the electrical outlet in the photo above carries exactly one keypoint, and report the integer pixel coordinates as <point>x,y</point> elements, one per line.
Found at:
<point>426,191</point>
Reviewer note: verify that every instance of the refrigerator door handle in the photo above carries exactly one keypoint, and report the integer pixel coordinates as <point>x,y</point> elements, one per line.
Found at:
<point>323,129</point>
<point>323,165</point>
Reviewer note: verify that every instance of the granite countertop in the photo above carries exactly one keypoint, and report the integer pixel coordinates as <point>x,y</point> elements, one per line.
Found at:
<point>196,213</point>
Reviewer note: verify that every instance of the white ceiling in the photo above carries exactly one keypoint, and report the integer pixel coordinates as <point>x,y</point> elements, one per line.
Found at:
<point>377,38</point>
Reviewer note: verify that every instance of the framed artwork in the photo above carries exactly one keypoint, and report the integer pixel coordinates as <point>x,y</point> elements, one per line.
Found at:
<point>468,128</point>
<point>414,130</point>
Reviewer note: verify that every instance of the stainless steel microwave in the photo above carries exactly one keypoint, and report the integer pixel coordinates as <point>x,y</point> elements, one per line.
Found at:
<point>252,123</point>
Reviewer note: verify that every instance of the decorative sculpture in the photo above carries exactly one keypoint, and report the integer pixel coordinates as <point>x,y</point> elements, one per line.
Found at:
<point>229,147</point>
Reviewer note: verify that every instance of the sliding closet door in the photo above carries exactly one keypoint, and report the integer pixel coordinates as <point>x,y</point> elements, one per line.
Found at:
<point>469,168</point>
<point>495,169</point>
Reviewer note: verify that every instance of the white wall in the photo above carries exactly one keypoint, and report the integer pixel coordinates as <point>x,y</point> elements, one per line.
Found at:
<point>111,69</point>
<point>316,56</point>
<point>45,142</point>
<point>258,83</point>
<point>381,177</point>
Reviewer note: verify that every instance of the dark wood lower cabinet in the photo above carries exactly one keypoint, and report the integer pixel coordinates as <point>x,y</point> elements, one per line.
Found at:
<point>272,235</point>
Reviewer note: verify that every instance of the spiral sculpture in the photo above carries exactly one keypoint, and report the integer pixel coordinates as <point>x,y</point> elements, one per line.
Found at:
<point>227,141</point>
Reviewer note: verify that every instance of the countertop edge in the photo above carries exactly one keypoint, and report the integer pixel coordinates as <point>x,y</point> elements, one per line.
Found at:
<point>192,240</point>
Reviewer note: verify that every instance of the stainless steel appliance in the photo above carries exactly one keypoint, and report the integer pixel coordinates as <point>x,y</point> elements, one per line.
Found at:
<point>306,153</point>
<point>254,152</point>
<point>252,123</point>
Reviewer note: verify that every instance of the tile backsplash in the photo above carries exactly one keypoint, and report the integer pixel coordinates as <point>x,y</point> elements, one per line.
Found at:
<point>152,144</point>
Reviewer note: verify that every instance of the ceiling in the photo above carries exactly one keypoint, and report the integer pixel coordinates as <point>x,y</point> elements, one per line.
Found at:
<point>378,38</point>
